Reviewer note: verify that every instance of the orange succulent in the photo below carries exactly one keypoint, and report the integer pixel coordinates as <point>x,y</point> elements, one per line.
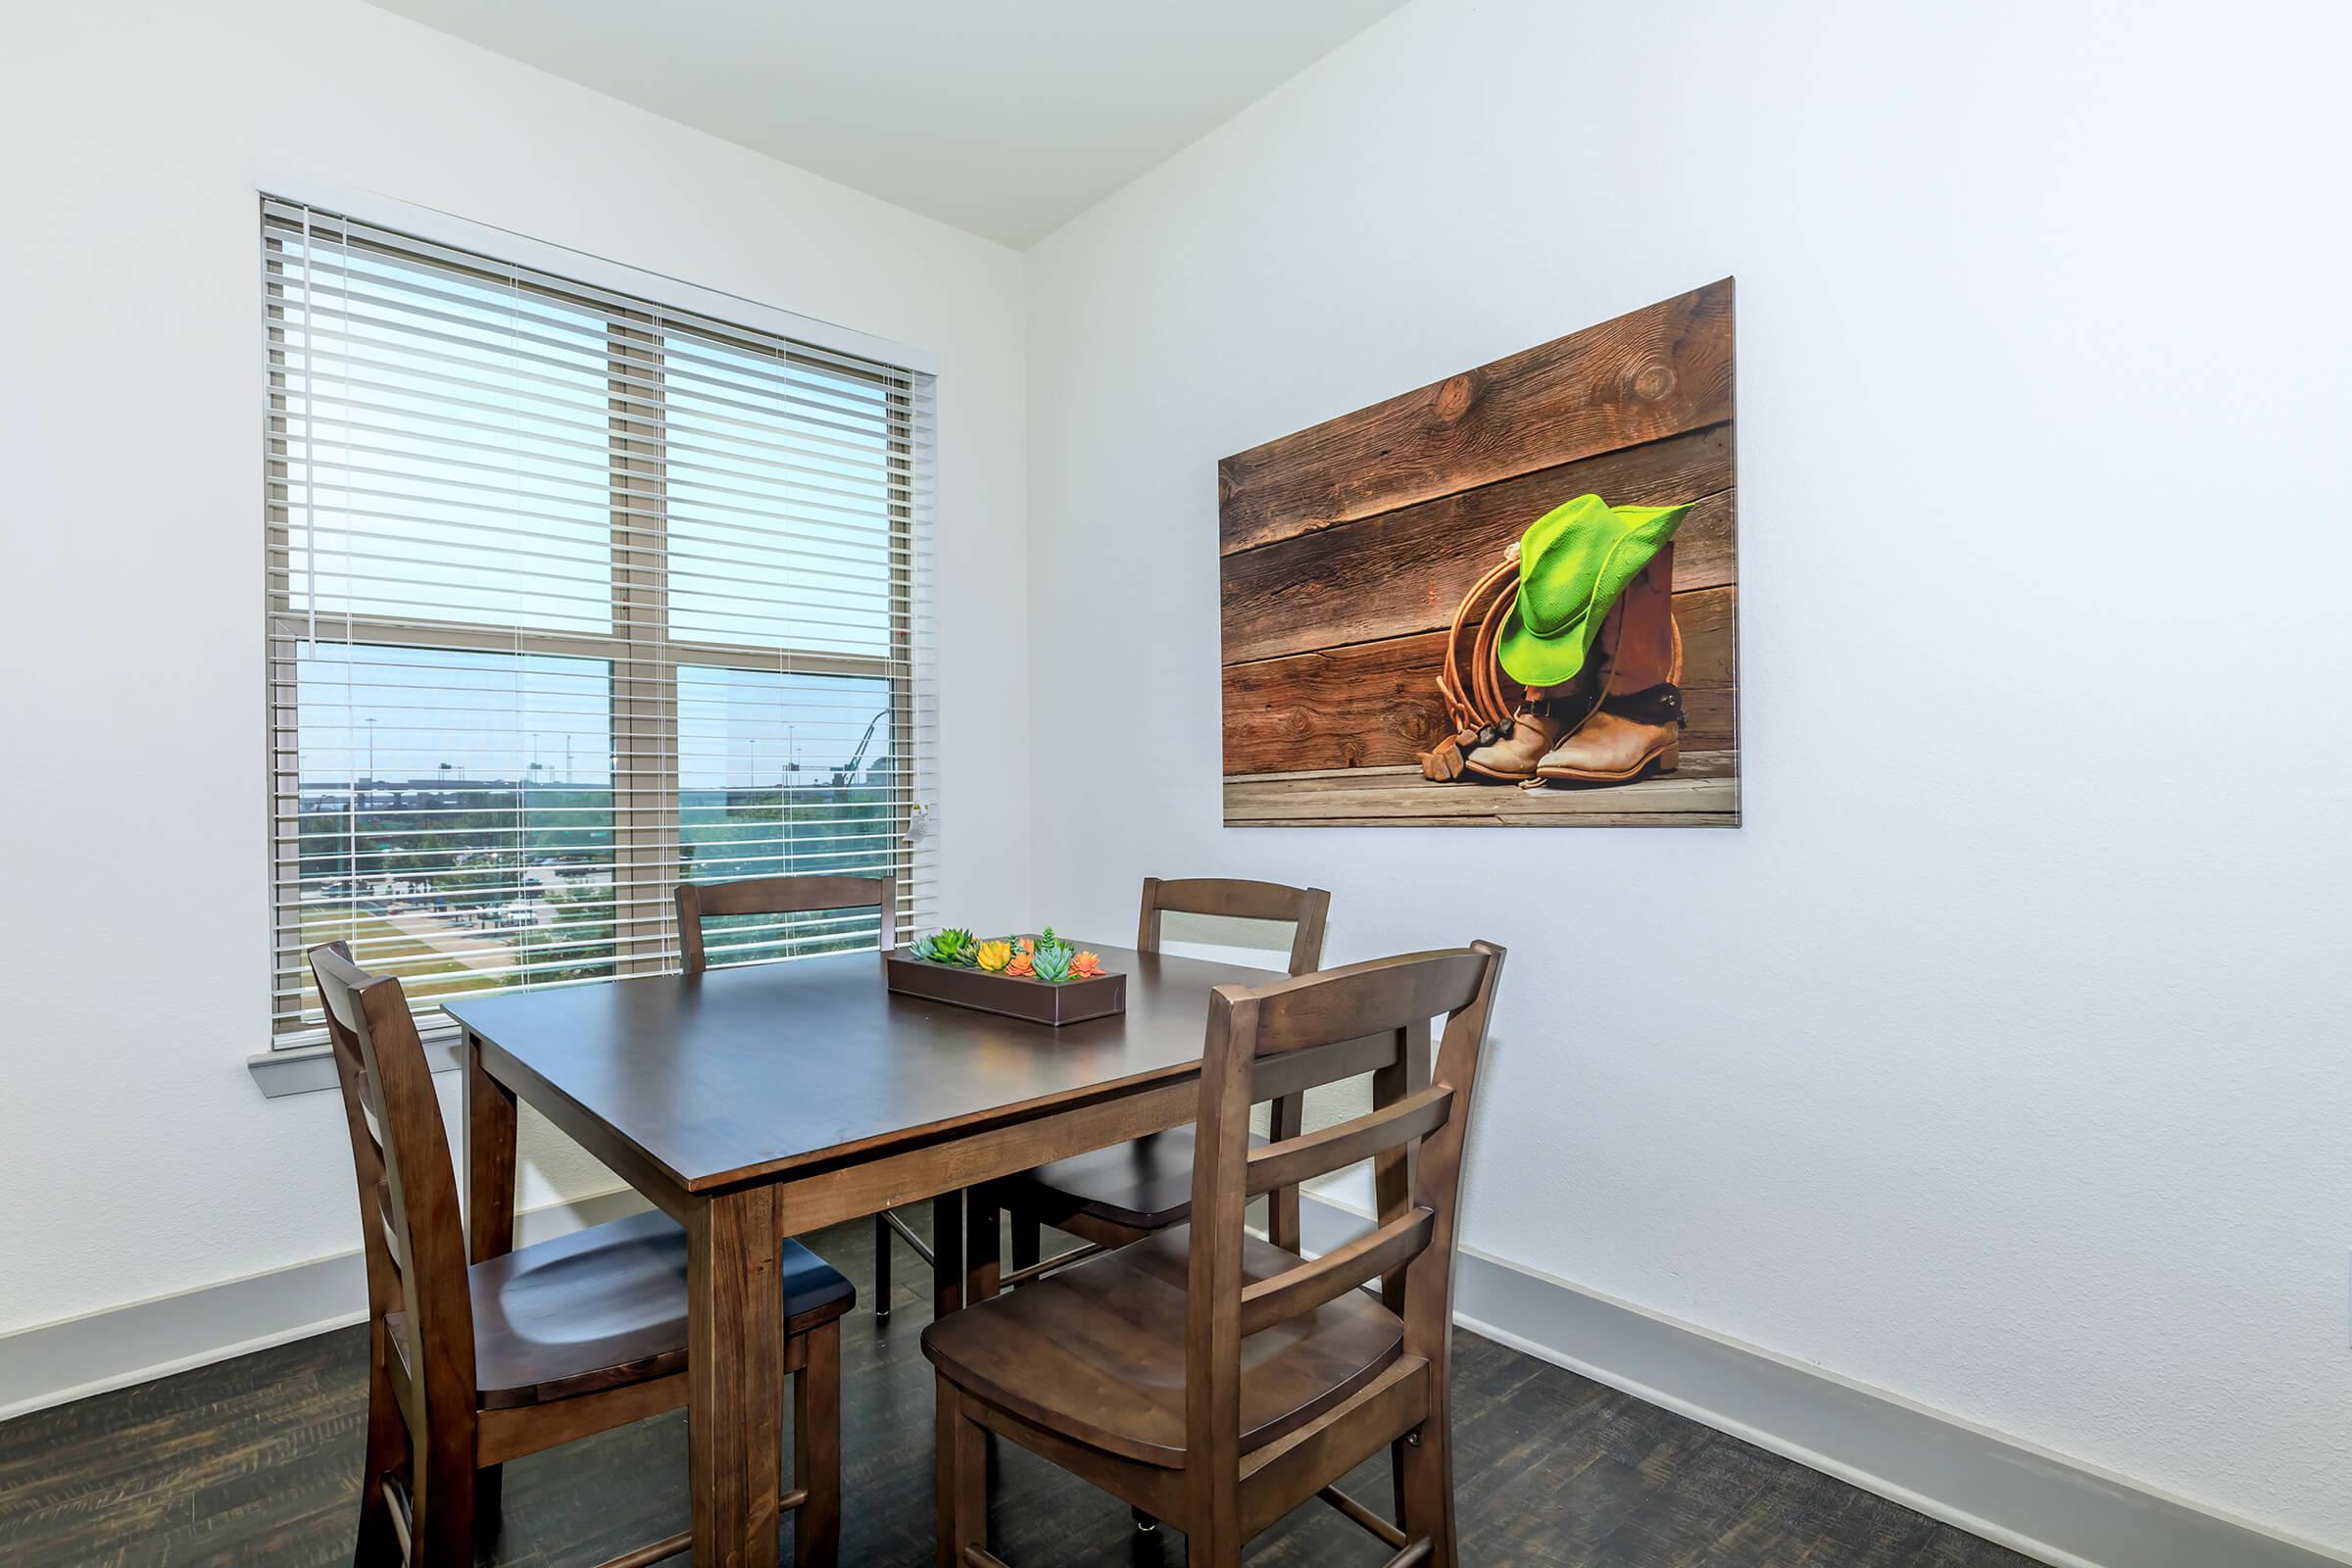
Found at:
<point>1023,962</point>
<point>1085,967</point>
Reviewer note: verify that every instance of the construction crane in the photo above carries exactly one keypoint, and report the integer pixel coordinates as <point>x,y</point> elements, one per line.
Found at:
<point>848,772</point>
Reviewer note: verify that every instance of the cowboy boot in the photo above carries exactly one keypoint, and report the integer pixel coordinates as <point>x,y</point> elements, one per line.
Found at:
<point>1545,716</point>
<point>1637,723</point>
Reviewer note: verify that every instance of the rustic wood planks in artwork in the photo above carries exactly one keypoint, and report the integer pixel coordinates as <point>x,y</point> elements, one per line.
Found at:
<point>1347,547</point>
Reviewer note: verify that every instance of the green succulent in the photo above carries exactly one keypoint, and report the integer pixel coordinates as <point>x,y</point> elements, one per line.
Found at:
<point>1050,963</point>
<point>955,946</point>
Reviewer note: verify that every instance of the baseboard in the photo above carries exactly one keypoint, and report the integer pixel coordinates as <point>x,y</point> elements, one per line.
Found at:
<point>54,1363</point>
<point>2050,1507</point>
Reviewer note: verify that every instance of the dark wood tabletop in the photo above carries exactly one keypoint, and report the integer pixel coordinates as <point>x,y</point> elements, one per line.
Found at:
<point>746,1073</point>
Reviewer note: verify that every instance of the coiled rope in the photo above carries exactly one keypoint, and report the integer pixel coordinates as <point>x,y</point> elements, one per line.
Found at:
<point>1479,698</point>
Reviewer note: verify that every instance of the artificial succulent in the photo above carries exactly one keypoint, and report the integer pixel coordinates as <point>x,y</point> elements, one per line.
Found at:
<point>955,946</point>
<point>1046,958</point>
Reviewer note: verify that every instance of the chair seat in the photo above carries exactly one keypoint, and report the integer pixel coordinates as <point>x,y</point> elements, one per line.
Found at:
<point>1145,1184</point>
<point>1096,1352</point>
<point>605,1306</point>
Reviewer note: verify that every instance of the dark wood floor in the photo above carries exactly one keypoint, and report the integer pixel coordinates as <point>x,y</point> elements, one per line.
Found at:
<point>254,1462</point>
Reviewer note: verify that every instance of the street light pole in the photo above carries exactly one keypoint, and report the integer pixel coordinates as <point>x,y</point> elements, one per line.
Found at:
<point>791,828</point>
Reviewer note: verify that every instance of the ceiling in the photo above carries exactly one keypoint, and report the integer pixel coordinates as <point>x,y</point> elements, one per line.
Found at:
<point>1005,118</point>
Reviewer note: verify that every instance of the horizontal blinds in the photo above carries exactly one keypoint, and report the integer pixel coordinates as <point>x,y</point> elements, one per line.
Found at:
<point>573,596</point>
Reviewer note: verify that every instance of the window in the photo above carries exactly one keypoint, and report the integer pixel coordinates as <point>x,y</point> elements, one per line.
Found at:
<point>571,596</point>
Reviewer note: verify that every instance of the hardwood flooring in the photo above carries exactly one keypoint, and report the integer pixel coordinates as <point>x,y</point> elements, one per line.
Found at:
<point>254,1462</point>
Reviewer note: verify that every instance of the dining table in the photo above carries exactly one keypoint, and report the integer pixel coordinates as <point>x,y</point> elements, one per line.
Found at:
<point>764,1102</point>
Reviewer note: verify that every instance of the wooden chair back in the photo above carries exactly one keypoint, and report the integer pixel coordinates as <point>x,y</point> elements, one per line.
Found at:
<point>1307,908</point>
<point>412,1229</point>
<point>780,895</point>
<point>1292,1035</point>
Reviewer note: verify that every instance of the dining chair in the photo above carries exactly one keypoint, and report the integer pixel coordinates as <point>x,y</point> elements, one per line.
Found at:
<point>1216,1381</point>
<point>1129,1191</point>
<point>808,895</point>
<point>469,1367</point>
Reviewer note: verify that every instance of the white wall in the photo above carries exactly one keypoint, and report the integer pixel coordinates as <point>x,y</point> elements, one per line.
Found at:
<point>136,1156</point>
<point>1999,1061</point>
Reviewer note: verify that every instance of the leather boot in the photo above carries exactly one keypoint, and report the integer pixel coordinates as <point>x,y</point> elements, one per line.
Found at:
<point>1638,726</point>
<point>1545,716</point>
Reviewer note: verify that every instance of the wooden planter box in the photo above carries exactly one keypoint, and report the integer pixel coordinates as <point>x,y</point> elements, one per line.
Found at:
<point>1014,995</point>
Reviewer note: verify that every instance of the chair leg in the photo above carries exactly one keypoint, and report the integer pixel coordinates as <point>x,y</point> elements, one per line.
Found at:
<point>1217,1544</point>
<point>882,1241</point>
<point>963,1462</point>
<point>1428,1491</point>
<point>489,1497</point>
<point>816,1452</point>
<point>1028,1241</point>
<point>441,1511</point>
<point>378,1545</point>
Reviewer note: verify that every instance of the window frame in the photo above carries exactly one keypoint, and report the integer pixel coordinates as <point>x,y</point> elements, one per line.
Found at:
<point>637,643</point>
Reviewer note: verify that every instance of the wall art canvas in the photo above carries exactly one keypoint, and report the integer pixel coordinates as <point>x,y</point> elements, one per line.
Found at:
<point>1510,598</point>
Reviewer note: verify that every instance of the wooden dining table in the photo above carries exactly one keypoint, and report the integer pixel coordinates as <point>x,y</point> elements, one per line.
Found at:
<point>765,1102</point>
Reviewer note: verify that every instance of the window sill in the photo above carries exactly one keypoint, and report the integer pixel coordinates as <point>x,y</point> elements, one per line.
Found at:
<point>307,1069</point>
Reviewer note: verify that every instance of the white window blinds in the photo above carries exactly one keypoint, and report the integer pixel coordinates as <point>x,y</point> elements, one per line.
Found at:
<point>573,596</point>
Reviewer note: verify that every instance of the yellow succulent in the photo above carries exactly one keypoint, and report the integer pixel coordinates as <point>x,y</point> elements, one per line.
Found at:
<point>994,956</point>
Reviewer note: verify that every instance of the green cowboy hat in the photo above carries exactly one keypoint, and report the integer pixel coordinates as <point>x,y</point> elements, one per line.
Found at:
<point>1574,560</point>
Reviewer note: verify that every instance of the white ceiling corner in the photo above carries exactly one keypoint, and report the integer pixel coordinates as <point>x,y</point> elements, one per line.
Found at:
<point>1006,117</point>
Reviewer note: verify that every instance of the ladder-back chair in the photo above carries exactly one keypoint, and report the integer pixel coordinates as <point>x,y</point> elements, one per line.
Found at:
<point>1117,1195</point>
<point>470,1367</point>
<point>1216,1381</point>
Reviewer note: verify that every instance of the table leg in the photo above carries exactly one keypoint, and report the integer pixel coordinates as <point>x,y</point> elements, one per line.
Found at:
<point>816,1452</point>
<point>489,1159</point>
<point>1392,1169</point>
<point>983,1248</point>
<point>489,1210</point>
<point>735,1379</point>
<point>947,1253</point>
